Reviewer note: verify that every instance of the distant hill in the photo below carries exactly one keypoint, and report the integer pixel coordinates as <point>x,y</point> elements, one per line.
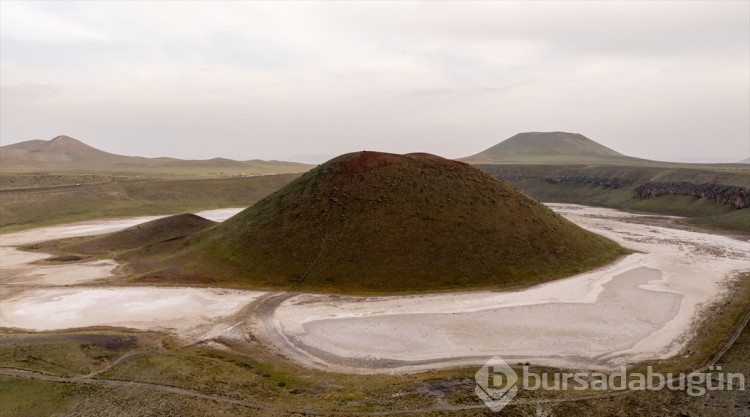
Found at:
<point>65,154</point>
<point>551,148</point>
<point>376,222</point>
<point>62,149</point>
<point>744,161</point>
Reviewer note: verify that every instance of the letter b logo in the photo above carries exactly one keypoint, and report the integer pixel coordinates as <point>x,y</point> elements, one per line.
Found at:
<point>496,384</point>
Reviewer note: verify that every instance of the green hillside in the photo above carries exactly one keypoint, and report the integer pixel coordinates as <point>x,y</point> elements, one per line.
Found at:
<point>374,222</point>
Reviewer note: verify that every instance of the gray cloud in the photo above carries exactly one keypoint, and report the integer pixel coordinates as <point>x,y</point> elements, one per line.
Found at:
<point>661,80</point>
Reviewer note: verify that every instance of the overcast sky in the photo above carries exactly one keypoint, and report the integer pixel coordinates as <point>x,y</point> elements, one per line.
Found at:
<point>666,80</point>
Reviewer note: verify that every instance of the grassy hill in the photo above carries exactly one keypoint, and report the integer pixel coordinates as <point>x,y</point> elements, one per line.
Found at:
<point>162,231</point>
<point>64,154</point>
<point>62,149</point>
<point>563,148</point>
<point>549,148</point>
<point>374,222</point>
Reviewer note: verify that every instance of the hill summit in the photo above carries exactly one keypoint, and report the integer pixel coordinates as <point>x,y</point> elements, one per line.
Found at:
<point>548,148</point>
<point>142,236</point>
<point>65,154</point>
<point>61,149</point>
<point>377,222</point>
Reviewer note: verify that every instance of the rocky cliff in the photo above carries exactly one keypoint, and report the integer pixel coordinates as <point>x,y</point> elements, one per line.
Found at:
<point>737,197</point>
<point>618,186</point>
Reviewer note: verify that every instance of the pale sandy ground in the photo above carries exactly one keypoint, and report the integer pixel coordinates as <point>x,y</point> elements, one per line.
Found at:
<point>96,227</point>
<point>16,268</point>
<point>39,297</point>
<point>191,313</point>
<point>640,307</point>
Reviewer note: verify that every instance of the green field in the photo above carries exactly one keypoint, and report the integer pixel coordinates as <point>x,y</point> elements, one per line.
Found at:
<point>24,207</point>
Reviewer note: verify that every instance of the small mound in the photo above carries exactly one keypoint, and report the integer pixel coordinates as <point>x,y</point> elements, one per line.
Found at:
<point>376,222</point>
<point>144,235</point>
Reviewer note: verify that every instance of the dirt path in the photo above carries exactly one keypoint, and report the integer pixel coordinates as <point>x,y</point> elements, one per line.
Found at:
<point>49,188</point>
<point>19,373</point>
<point>121,359</point>
<point>265,306</point>
<point>130,384</point>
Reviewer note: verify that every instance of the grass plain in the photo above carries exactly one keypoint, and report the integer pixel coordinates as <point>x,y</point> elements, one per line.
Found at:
<point>28,205</point>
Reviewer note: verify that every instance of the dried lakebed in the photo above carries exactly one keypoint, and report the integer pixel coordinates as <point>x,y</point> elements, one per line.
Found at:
<point>641,307</point>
